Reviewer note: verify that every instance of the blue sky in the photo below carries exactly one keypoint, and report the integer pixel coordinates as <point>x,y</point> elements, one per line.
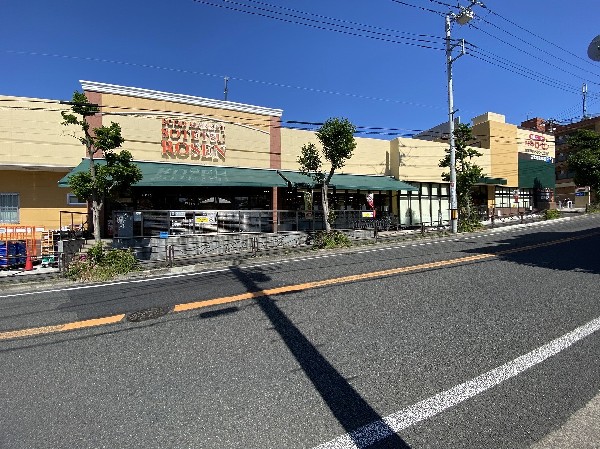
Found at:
<point>394,79</point>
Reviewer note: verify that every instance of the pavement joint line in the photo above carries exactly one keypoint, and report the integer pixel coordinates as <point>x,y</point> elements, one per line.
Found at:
<point>113,319</point>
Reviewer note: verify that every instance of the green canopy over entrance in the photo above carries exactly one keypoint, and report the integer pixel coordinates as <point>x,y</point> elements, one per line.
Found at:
<point>163,174</point>
<point>349,182</point>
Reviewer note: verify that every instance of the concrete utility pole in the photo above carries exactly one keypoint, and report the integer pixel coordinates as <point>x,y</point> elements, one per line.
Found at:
<point>462,18</point>
<point>584,95</point>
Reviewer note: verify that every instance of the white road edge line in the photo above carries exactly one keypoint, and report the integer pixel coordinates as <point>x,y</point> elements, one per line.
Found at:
<point>378,430</point>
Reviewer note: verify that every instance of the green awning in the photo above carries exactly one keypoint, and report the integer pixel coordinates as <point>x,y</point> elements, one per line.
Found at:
<point>350,182</point>
<point>164,174</point>
<point>488,180</point>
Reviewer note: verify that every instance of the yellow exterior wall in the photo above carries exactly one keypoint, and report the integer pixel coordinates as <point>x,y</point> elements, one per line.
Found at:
<point>501,139</point>
<point>247,137</point>
<point>36,150</point>
<point>417,160</point>
<point>31,134</point>
<point>370,157</point>
<point>40,198</point>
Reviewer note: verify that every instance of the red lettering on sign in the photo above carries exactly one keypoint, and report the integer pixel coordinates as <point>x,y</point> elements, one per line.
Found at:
<point>182,149</point>
<point>167,147</point>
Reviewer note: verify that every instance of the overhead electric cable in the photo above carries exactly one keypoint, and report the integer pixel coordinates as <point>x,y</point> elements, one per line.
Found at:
<point>420,7</point>
<point>540,37</point>
<point>530,44</point>
<point>530,54</point>
<point>247,80</point>
<point>344,21</point>
<point>328,26</point>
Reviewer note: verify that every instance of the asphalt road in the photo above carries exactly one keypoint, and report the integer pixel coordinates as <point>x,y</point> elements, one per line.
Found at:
<point>486,340</point>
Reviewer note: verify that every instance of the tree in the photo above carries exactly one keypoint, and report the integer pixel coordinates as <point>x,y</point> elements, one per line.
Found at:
<point>584,159</point>
<point>336,136</point>
<point>467,174</point>
<point>109,179</point>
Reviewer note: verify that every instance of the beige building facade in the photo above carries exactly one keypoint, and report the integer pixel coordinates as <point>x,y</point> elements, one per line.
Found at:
<point>206,154</point>
<point>36,151</point>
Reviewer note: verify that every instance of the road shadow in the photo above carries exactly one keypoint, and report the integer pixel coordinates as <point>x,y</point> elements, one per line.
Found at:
<point>547,250</point>
<point>345,403</point>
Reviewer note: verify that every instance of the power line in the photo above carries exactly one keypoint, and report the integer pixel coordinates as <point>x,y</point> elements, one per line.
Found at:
<point>539,37</point>
<point>530,44</point>
<point>198,73</point>
<point>530,54</point>
<point>342,20</point>
<point>521,70</point>
<point>420,7</point>
<point>327,26</point>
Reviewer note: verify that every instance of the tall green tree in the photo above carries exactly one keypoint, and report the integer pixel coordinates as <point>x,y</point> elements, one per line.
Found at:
<point>103,180</point>
<point>584,159</point>
<point>468,173</point>
<point>336,136</point>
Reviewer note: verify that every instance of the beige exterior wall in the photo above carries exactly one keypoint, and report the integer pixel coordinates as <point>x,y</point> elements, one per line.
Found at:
<point>36,150</point>
<point>501,140</point>
<point>417,160</point>
<point>31,134</point>
<point>40,198</point>
<point>371,156</point>
<point>246,136</point>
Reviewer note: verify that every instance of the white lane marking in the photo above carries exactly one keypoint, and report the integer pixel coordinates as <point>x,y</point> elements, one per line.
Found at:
<point>378,430</point>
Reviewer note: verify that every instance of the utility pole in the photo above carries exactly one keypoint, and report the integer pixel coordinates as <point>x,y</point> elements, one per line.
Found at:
<point>462,18</point>
<point>226,91</point>
<point>584,94</point>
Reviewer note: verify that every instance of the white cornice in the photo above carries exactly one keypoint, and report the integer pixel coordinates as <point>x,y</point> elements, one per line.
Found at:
<point>103,88</point>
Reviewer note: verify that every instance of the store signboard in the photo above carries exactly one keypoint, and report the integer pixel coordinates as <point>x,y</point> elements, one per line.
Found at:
<point>201,140</point>
<point>206,217</point>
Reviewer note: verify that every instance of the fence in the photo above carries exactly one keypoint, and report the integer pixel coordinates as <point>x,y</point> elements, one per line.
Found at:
<point>156,223</point>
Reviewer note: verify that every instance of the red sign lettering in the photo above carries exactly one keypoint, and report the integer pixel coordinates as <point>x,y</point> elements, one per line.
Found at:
<point>208,140</point>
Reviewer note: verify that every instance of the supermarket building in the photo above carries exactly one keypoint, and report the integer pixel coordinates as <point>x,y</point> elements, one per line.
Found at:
<point>200,154</point>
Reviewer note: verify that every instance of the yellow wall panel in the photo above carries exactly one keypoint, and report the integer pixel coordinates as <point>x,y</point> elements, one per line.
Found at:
<point>40,199</point>
<point>31,134</point>
<point>246,136</point>
<point>370,157</point>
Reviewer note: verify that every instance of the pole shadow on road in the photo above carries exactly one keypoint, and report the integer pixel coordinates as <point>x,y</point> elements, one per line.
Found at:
<point>349,408</point>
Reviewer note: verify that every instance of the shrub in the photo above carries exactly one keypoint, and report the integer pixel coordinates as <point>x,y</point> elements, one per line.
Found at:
<point>102,264</point>
<point>468,223</point>
<point>333,239</point>
<point>551,214</point>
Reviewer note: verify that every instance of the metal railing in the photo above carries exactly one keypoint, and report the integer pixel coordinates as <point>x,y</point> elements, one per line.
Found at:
<point>156,223</point>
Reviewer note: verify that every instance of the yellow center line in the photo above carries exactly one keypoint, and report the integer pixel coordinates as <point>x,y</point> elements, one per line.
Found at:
<point>30,332</point>
<point>325,283</point>
<point>113,319</point>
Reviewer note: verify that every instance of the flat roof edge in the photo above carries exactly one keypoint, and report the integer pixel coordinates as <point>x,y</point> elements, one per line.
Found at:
<point>104,88</point>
